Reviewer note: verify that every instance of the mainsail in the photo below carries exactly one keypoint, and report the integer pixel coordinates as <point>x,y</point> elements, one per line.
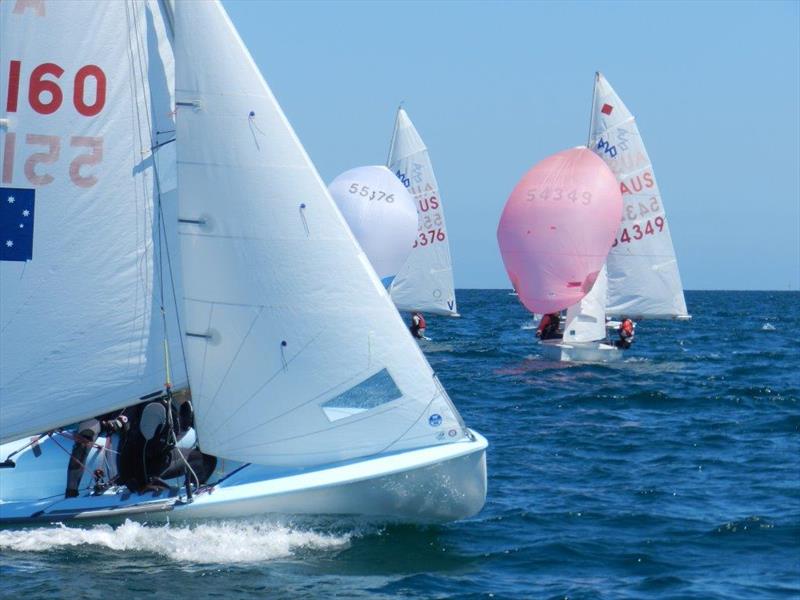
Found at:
<point>80,308</point>
<point>643,278</point>
<point>426,280</point>
<point>296,354</point>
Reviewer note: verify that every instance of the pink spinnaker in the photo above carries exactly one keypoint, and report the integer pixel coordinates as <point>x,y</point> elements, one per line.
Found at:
<point>557,229</point>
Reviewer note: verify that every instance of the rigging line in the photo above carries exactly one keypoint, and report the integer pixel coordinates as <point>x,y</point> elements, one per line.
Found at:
<point>135,108</point>
<point>145,89</point>
<point>159,216</point>
<point>174,297</point>
<point>162,231</point>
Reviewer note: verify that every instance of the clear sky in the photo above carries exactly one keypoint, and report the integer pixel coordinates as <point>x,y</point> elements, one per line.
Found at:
<point>495,87</point>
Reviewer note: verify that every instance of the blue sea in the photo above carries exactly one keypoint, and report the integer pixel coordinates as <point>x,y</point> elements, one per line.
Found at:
<point>674,474</point>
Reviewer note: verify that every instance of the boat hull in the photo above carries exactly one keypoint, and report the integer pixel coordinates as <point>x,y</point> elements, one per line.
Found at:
<point>593,352</point>
<point>428,485</point>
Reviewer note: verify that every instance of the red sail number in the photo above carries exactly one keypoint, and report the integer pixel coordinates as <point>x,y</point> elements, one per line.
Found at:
<point>45,96</point>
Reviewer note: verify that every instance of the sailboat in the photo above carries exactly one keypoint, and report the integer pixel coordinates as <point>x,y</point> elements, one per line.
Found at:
<point>173,246</point>
<point>641,278</point>
<point>557,227</point>
<point>425,282</point>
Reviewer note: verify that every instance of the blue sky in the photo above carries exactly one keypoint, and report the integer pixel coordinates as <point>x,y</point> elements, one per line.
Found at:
<point>495,87</point>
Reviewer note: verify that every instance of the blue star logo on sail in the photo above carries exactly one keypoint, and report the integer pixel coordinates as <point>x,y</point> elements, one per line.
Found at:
<point>16,224</point>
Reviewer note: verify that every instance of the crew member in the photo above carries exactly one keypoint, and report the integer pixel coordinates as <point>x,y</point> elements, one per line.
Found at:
<point>548,327</point>
<point>625,334</point>
<point>84,439</point>
<point>417,326</point>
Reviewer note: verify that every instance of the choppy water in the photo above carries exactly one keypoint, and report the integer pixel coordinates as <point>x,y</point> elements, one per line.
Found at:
<point>675,474</point>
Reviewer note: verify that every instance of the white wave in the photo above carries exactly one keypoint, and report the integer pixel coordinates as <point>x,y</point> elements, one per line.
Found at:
<point>529,325</point>
<point>768,327</point>
<point>220,542</point>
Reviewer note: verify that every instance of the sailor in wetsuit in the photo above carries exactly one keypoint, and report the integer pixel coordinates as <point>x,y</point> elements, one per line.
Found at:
<point>84,439</point>
<point>625,334</point>
<point>417,326</point>
<point>548,327</point>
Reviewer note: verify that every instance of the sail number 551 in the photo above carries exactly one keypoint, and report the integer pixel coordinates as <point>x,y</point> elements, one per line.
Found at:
<point>45,95</point>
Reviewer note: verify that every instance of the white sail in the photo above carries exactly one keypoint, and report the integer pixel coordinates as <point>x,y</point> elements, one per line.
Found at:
<point>586,320</point>
<point>80,325</point>
<point>380,213</point>
<point>296,354</point>
<point>425,282</point>
<point>643,277</point>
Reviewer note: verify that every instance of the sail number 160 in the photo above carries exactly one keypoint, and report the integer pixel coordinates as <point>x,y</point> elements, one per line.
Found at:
<point>45,96</point>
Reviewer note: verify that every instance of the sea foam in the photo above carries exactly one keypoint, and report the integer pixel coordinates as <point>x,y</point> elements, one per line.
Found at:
<point>219,542</point>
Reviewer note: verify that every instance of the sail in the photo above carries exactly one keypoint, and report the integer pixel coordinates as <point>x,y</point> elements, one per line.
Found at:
<point>425,282</point>
<point>381,215</point>
<point>586,320</point>
<point>296,354</point>
<point>556,229</point>
<point>643,277</point>
<point>80,326</point>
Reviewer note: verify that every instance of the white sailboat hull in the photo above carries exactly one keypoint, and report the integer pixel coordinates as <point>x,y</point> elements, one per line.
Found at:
<point>597,352</point>
<point>428,485</point>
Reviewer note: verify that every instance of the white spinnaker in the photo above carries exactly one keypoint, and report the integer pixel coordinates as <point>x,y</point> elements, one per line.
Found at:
<point>381,214</point>
<point>283,311</point>
<point>586,320</point>
<point>643,277</point>
<point>80,329</point>
<point>425,282</point>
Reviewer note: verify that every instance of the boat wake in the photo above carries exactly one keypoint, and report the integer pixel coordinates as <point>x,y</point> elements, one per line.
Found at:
<point>219,542</point>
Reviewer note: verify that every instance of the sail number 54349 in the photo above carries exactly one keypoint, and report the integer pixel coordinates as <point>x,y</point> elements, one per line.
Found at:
<point>637,232</point>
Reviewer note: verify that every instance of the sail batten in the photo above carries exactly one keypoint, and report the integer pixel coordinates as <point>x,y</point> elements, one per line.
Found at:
<point>643,276</point>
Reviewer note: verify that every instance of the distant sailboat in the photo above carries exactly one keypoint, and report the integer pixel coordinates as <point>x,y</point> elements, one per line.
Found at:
<point>556,229</point>
<point>641,278</point>
<point>182,235</point>
<point>425,283</point>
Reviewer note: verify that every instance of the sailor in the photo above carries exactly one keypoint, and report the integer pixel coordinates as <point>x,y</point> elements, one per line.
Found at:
<point>548,326</point>
<point>625,334</point>
<point>417,326</point>
<point>84,439</point>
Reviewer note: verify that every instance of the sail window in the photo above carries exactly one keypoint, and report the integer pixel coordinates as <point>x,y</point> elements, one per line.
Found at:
<point>374,391</point>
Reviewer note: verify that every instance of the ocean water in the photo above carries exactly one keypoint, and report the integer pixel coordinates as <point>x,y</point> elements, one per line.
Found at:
<point>674,474</point>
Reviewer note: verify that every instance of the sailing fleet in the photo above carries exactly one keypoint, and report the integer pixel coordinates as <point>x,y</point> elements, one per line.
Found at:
<point>239,322</point>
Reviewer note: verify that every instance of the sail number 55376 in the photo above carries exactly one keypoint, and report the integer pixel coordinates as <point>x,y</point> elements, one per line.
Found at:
<point>429,237</point>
